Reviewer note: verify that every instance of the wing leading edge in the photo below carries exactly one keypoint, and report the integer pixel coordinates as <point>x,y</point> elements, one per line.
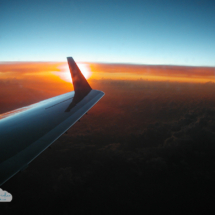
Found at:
<point>28,131</point>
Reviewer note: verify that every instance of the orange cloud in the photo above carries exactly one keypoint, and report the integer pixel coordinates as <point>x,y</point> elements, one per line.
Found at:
<point>23,83</point>
<point>42,76</point>
<point>29,67</point>
<point>33,74</point>
<point>162,73</point>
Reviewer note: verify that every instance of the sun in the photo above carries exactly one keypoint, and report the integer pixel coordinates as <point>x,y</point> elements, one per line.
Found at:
<point>85,69</point>
<point>65,74</point>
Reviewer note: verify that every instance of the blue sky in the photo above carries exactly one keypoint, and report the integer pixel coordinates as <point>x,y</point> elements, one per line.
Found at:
<point>110,31</point>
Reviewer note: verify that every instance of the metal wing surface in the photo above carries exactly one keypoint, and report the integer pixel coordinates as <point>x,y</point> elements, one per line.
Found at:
<point>28,131</point>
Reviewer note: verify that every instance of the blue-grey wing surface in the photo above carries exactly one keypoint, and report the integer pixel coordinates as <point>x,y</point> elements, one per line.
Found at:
<point>28,131</point>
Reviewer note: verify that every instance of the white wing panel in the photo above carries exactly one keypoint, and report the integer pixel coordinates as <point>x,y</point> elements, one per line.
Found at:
<point>28,132</point>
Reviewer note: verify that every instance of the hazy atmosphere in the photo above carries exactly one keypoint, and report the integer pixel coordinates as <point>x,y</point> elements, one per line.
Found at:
<point>148,146</point>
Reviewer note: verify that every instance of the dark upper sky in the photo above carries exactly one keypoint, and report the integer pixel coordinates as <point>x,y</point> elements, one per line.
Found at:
<point>146,32</point>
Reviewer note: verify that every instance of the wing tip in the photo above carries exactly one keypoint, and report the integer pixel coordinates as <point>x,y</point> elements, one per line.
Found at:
<point>81,86</point>
<point>79,81</point>
<point>70,58</point>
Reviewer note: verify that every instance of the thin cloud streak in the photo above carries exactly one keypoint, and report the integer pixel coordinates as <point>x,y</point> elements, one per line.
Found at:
<point>151,72</point>
<point>59,70</point>
<point>29,67</point>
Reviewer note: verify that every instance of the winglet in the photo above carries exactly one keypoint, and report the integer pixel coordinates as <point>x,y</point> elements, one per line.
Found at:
<point>79,82</point>
<point>81,86</point>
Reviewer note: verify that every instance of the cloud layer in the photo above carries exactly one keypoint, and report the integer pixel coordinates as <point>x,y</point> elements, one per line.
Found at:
<point>171,73</point>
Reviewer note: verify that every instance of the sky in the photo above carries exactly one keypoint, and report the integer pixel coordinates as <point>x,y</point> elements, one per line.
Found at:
<point>168,32</point>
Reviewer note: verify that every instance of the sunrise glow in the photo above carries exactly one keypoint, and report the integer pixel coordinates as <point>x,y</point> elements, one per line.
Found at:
<point>65,75</point>
<point>152,73</point>
<point>56,77</point>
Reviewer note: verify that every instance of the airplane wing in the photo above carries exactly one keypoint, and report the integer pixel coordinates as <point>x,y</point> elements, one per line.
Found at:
<point>28,131</point>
